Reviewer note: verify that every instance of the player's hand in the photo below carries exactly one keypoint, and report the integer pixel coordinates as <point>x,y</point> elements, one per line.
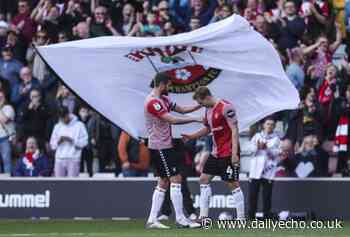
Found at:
<point>126,165</point>
<point>186,137</point>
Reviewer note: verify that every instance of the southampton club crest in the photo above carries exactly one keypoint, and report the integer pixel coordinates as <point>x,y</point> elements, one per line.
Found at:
<point>179,62</point>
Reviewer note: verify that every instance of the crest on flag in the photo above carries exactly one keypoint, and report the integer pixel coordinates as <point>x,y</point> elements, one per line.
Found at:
<point>180,64</point>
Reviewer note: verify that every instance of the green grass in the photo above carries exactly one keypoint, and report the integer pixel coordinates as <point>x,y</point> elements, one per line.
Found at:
<point>135,228</point>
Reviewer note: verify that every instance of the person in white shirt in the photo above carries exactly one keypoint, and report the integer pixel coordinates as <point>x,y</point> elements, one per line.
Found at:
<point>68,139</point>
<point>7,131</point>
<point>265,146</point>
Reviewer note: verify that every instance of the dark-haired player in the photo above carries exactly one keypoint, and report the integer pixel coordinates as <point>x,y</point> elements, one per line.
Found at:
<point>158,124</point>
<point>220,119</point>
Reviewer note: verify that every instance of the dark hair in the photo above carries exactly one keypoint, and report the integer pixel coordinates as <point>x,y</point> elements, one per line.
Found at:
<point>160,78</point>
<point>201,92</point>
<point>269,118</point>
<point>63,111</point>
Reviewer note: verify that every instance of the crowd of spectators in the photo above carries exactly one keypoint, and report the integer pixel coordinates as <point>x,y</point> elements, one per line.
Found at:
<point>307,35</point>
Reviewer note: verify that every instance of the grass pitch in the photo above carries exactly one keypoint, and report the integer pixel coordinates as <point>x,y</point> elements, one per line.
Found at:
<point>135,228</point>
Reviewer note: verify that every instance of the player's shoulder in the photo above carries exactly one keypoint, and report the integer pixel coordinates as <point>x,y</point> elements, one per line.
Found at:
<point>150,100</point>
<point>154,105</point>
<point>226,102</point>
<point>228,109</point>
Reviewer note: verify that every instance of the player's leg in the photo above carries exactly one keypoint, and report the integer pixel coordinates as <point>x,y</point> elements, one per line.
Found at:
<point>210,170</point>
<point>171,166</point>
<point>159,191</point>
<point>231,176</point>
<point>205,194</point>
<point>158,199</point>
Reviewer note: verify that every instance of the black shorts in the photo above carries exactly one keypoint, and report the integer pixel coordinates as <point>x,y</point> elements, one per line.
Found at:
<point>221,167</point>
<point>165,162</point>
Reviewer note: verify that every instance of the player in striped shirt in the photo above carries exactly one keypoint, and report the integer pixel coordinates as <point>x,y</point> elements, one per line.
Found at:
<point>221,121</point>
<point>158,123</point>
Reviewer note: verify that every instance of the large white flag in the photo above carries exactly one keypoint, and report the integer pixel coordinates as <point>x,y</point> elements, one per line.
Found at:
<point>113,74</point>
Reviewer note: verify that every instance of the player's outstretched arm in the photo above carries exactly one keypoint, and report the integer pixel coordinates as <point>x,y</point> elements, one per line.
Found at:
<point>200,133</point>
<point>235,141</point>
<point>180,120</point>
<point>187,109</point>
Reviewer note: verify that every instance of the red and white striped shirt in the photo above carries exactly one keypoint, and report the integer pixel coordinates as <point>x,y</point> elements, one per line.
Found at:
<point>220,119</point>
<point>159,131</point>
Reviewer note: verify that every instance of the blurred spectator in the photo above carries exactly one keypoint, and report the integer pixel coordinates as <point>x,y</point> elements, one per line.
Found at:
<point>33,118</point>
<point>195,23</point>
<point>87,154</point>
<point>169,29</point>
<point>128,21</point>
<point>221,13</point>
<point>9,67</point>
<point>82,31</point>
<point>182,12</point>
<point>291,27</point>
<point>18,46</point>
<point>134,156</point>
<point>3,33</point>
<point>40,70</point>
<point>20,91</point>
<point>321,52</point>
<point>7,131</point>
<point>22,22</point>
<point>101,24</point>
<point>286,165</point>
<point>68,139</point>
<point>33,163</point>
<point>265,146</point>
<point>295,70</point>
<point>63,36</point>
<point>315,13</point>
<point>305,121</point>
<point>151,28</point>
<point>311,160</point>
<point>330,89</point>
<point>107,143</point>
<point>7,8</point>
<point>65,98</point>
<point>341,114</point>
<point>204,10</point>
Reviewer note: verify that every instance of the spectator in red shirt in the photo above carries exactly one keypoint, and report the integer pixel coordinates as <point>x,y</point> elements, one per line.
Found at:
<point>22,23</point>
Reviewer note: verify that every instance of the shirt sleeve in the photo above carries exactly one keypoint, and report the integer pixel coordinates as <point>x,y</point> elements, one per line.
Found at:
<point>156,108</point>
<point>230,114</point>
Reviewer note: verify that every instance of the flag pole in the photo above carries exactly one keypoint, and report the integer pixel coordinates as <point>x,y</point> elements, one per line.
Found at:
<point>194,60</point>
<point>151,62</point>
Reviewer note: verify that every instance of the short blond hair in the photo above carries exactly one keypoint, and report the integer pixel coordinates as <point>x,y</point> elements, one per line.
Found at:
<point>201,92</point>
